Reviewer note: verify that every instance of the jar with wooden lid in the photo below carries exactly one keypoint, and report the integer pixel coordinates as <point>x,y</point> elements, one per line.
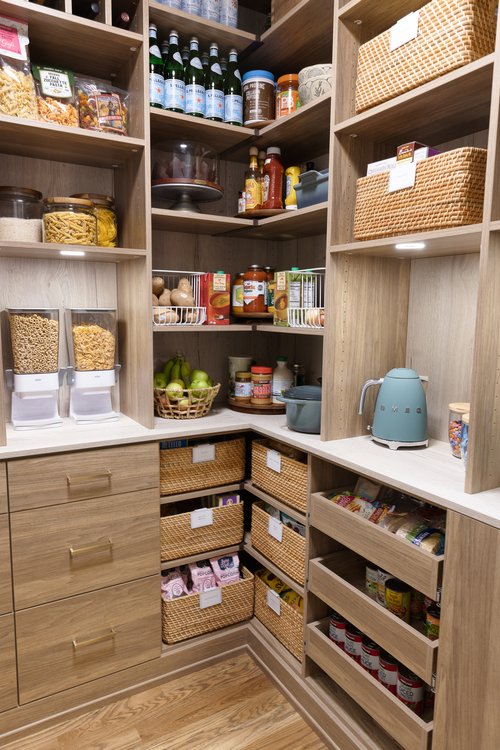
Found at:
<point>69,221</point>
<point>107,225</point>
<point>262,378</point>
<point>237,294</point>
<point>456,412</point>
<point>243,387</point>
<point>254,290</point>
<point>20,214</point>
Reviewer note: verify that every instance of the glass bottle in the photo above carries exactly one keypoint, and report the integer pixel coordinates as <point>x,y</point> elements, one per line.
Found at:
<point>223,66</point>
<point>233,99</point>
<point>252,182</point>
<point>156,81</point>
<point>299,377</point>
<point>122,20</point>
<point>185,56</point>
<point>205,62</point>
<point>214,105</point>
<point>273,179</point>
<point>164,52</point>
<point>174,76</point>
<point>195,82</point>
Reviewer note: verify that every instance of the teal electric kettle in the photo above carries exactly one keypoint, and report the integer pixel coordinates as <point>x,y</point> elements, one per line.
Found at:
<point>400,416</point>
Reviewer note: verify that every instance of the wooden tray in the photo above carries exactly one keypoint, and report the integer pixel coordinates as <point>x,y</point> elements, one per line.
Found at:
<point>254,409</point>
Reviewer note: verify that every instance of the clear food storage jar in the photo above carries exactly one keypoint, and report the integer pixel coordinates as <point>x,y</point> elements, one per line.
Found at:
<point>91,339</point>
<point>456,412</point>
<point>464,438</point>
<point>20,214</point>
<point>69,221</point>
<point>107,225</point>
<point>34,337</point>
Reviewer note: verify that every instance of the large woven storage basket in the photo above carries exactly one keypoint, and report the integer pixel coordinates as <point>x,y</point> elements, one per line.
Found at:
<point>179,474</point>
<point>451,33</point>
<point>448,192</point>
<point>288,626</point>
<point>182,618</point>
<point>288,485</point>
<point>289,554</point>
<point>178,539</point>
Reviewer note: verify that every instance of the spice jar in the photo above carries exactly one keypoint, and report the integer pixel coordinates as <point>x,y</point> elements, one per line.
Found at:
<point>237,294</point>
<point>258,98</point>
<point>287,94</point>
<point>261,386</point>
<point>254,290</point>
<point>456,412</point>
<point>243,387</point>
<point>20,214</point>
<point>272,184</point>
<point>107,227</point>
<point>464,438</point>
<point>69,221</point>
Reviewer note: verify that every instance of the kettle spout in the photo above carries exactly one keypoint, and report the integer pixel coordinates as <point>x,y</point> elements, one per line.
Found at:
<point>363,392</point>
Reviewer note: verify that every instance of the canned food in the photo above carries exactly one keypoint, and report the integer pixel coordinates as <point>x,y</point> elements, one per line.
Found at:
<point>432,618</point>
<point>336,629</point>
<point>353,642</point>
<point>388,671</point>
<point>410,690</point>
<point>429,698</point>
<point>371,581</point>
<point>370,657</point>
<point>417,605</point>
<point>382,577</point>
<point>397,598</point>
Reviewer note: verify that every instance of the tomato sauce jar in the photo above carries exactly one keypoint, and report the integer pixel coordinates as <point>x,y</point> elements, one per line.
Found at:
<point>255,290</point>
<point>272,183</point>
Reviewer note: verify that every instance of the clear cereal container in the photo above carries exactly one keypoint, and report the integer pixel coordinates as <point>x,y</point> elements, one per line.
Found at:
<point>34,337</point>
<point>20,214</point>
<point>456,412</point>
<point>92,339</point>
<point>69,221</point>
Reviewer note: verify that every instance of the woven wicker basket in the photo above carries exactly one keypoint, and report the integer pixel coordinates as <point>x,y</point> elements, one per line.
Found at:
<point>289,554</point>
<point>178,539</point>
<point>179,474</point>
<point>288,626</point>
<point>187,406</point>
<point>451,33</point>
<point>182,618</point>
<point>289,485</point>
<point>448,192</point>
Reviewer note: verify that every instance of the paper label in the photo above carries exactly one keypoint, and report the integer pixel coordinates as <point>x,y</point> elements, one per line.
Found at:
<point>274,601</point>
<point>210,598</point>
<point>404,30</point>
<point>273,461</point>
<point>13,38</point>
<point>402,176</point>
<point>55,83</point>
<point>202,517</point>
<point>275,529</point>
<point>219,282</point>
<point>202,453</point>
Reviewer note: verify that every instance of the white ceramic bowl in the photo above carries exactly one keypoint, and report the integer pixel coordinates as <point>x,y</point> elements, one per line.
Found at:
<point>314,88</point>
<point>315,71</point>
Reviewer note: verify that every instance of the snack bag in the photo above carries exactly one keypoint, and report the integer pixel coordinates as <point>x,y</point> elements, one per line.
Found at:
<point>17,91</point>
<point>55,95</point>
<point>101,106</point>
<point>226,569</point>
<point>202,576</point>
<point>172,585</point>
<point>293,599</point>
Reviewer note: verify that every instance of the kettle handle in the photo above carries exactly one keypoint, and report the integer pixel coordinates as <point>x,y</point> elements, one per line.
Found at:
<point>363,392</point>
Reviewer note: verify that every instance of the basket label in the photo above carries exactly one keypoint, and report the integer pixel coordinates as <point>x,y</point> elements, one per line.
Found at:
<point>202,453</point>
<point>275,529</point>
<point>210,598</point>
<point>202,517</point>
<point>402,176</point>
<point>273,461</point>
<point>404,30</point>
<point>274,601</point>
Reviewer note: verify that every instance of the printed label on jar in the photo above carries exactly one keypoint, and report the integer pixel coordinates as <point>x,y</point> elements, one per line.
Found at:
<point>195,99</point>
<point>237,296</point>
<point>242,390</point>
<point>252,194</point>
<point>258,100</point>
<point>252,290</point>
<point>174,94</point>
<point>233,108</point>
<point>286,102</point>
<point>156,89</point>
<point>262,390</point>
<point>214,104</point>
<point>265,188</point>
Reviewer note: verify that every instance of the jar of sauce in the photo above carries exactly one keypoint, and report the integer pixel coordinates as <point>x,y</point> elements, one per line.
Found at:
<point>272,197</point>
<point>243,387</point>
<point>237,294</point>
<point>261,386</point>
<point>287,94</point>
<point>254,290</point>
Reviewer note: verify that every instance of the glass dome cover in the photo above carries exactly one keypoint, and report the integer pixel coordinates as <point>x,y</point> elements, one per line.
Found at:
<point>185,162</point>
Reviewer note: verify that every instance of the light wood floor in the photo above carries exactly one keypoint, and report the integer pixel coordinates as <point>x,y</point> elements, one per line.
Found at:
<point>231,705</point>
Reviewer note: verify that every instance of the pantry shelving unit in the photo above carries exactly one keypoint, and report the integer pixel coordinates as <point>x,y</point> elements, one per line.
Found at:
<point>168,564</point>
<point>183,221</point>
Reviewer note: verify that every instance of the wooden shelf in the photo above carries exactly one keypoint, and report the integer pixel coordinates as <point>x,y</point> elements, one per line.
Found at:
<point>377,16</point>
<point>233,328</point>
<point>339,581</point>
<point>220,136</point>
<point>273,568</point>
<point>296,331</point>
<point>195,223</point>
<point>188,25</point>
<point>68,252</point>
<point>453,105</point>
<point>42,140</point>
<point>167,499</point>
<point>167,564</point>
<point>415,566</point>
<point>302,37</point>
<point>411,731</point>
<point>441,242</point>
<point>297,515</point>
<point>304,222</point>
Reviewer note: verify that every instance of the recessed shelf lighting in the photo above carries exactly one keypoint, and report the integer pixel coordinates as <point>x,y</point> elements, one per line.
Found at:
<point>410,246</point>
<point>73,253</point>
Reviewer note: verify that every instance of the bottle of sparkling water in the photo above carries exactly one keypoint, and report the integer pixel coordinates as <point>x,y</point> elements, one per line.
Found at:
<point>214,87</point>
<point>194,79</point>
<point>174,76</point>
<point>156,82</point>
<point>233,99</point>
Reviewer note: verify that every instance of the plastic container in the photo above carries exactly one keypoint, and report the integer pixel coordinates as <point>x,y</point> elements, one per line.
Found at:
<point>34,336</point>
<point>258,98</point>
<point>262,386</point>
<point>91,339</point>
<point>287,94</point>
<point>292,177</point>
<point>456,412</point>
<point>69,221</point>
<point>20,214</point>
<point>312,188</point>
<point>464,438</point>
<point>282,378</point>
<point>107,225</point>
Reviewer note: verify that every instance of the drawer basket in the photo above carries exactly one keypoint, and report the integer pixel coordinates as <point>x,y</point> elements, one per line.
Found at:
<point>178,539</point>
<point>451,33</point>
<point>288,626</point>
<point>182,618</point>
<point>448,192</point>
<point>179,474</point>
<point>288,485</point>
<point>289,554</point>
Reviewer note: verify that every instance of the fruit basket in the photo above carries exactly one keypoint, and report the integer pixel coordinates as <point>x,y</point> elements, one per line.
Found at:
<point>186,404</point>
<point>176,298</point>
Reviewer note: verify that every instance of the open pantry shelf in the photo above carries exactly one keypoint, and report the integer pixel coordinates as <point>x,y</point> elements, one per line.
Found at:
<point>300,517</point>
<point>68,252</point>
<point>378,16</point>
<point>168,499</point>
<point>167,564</point>
<point>296,331</point>
<point>288,132</point>
<point>304,222</point>
<point>273,568</point>
<point>220,136</point>
<point>195,223</point>
<point>233,328</point>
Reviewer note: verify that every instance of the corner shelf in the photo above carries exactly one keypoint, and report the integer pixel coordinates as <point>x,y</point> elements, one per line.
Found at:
<point>219,135</point>
<point>90,253</point>
<point>194,223</point>
<point>290,225</point>
<point>295,331</point>
<point>232,328</point>
<point>288,132</point>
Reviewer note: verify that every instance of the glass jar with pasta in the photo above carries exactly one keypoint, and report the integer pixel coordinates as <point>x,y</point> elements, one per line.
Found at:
<point>107,227</point>
<point>69,221</point>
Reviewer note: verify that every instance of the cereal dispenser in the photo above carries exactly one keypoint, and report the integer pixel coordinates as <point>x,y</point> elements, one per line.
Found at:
<point>93,368</point>
<point>35,376</point>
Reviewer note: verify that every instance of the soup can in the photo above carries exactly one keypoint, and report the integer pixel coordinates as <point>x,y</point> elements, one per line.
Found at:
<point>410,690</point>
<point>397,598</point>
<point>353,642</point>
<point>370,657</point>
<point>336,629</point>
<point>388,671</point>
<point>432,618</point>
<point>371,581</point>
<point>382,577</point>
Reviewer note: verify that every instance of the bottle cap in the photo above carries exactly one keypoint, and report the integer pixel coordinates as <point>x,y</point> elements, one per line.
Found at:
<point>281,359</point>
<point>295,268</point>
<point>274,150</point>
<point>253,151</point>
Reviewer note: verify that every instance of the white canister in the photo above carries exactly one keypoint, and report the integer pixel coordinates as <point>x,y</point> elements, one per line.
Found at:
<point>237,364</point>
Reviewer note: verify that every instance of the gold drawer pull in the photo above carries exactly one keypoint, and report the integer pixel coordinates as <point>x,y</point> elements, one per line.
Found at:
<point>79,478</point>
<point>73,551</point>
<point>97,639</point>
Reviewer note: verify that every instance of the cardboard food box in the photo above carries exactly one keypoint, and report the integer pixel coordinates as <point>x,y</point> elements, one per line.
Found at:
<point>287,295</point>
<point>216,298</point>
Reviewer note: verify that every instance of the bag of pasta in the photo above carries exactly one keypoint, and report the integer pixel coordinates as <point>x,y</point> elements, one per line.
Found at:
<point>17,92</point>
<point>101,106</point>
<point>55,95</point>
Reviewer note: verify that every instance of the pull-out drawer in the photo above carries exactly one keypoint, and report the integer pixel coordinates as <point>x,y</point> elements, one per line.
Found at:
<point>5,579</point>
<point>3,489</point>
<point>76,640</point>
<point>63,478</point>
<point>8,677</point>
<point>62,551</point>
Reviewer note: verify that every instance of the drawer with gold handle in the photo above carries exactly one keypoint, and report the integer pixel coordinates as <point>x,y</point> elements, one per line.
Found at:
<point>66,550</point>
<point>50,480</point>
<point>3,488</point>
<point>5,577</point>
<point>8,677</point>
<point>73,641</point>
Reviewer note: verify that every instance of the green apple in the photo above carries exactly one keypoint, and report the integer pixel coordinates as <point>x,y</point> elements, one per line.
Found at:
<point>183,404</point>
<point>199,375</point>
<point>160,381</point>
<point>174,391</point>
<point>199,389</point>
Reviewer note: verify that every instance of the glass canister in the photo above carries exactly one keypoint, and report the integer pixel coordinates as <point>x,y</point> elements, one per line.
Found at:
<point>69,221</point>
<point>262,378</point>
<point>107,225</point>
<point>237,294</point>
<point>287,94</point>
<point>91,338</point>
<point>456,412</point>
<point>20,214</point>
<point>464,439</point>
<point>254,290</point>
<point>34,336</point>
<point>243,387</point>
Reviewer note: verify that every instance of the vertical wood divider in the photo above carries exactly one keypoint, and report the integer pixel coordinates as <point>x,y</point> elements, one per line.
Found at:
<point>3,415</point>
<point>108,12</point>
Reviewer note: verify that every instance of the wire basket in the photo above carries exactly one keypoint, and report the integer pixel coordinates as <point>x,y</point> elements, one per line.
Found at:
<point>175,315</point>
<point>187,404</point>
<point>311,314</point>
